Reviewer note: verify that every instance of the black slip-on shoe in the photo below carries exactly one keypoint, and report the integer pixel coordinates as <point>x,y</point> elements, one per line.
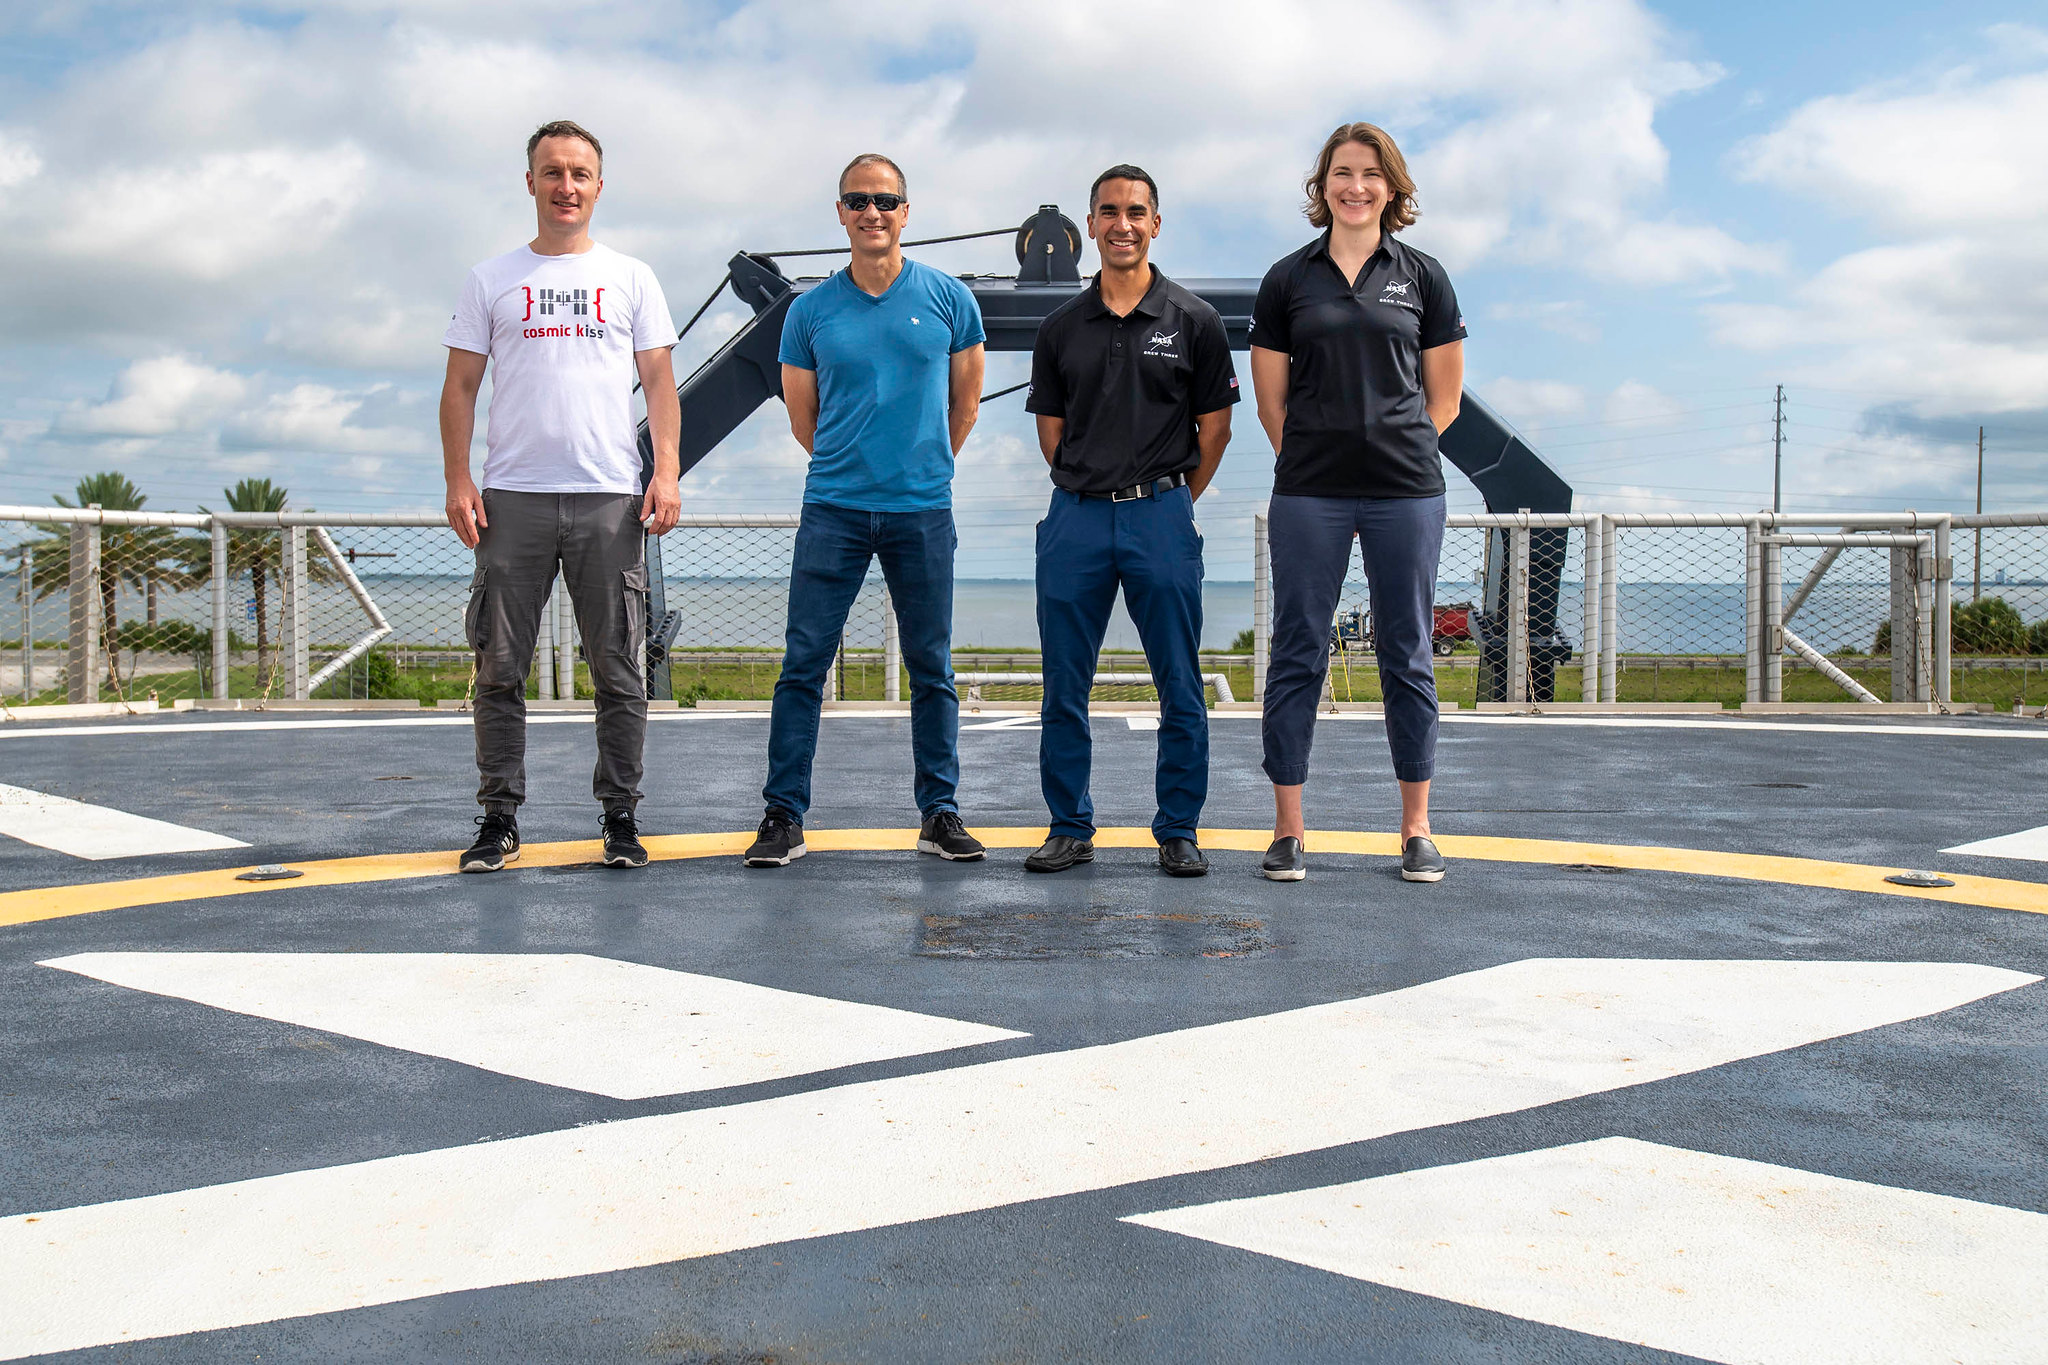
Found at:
<point>497,843</point>
<point>1420,862</point>
<point>622,846</point>
<point>1060,852</point>
<point>945,834</point>
<point>1284,861</point>
<point>1180,858</point>
<point>779,842</point>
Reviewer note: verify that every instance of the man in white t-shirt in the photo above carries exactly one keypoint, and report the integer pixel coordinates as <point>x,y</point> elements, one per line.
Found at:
<point>564,325</point>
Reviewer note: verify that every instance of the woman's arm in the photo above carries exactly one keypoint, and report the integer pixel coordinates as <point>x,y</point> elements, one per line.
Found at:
<point>1269,387</point>
<point>1443,382</point>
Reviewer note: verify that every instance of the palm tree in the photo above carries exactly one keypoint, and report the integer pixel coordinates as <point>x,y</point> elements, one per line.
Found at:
<point>259,553</point>
<point>142,556</point>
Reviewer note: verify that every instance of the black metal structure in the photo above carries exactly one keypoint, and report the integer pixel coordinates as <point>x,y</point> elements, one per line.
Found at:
<point>744,373</point>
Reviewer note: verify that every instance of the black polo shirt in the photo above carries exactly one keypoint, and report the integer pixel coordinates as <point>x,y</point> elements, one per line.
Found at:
<point>1129,388</point>
<point>1356,424</point>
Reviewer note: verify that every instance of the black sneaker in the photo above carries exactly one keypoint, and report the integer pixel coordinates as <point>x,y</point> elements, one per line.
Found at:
<point>497,843</point>
<point>1420,862</point>
<point>1060,852</point>
<point>779,842</point>
<point>946,835</point>
<point>622,846</point>
<point>1181,858</point>
<point>1284,861</point>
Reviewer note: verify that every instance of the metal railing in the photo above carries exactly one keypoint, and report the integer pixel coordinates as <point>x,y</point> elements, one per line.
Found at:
<point>1610,607</point>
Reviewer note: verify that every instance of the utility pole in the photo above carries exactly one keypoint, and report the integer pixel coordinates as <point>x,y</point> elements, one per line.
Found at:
<point>1778,453</point>
<point>1977,574</point>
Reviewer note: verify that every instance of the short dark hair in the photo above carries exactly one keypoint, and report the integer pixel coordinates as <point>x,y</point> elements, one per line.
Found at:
<point>562,127</point>
<point>1125,171</point>
<point>875,159</point>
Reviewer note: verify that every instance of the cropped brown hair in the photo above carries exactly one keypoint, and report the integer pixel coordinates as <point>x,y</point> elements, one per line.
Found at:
<point>875,159</point>
<point>562,127</point>
<point>1400,209</point>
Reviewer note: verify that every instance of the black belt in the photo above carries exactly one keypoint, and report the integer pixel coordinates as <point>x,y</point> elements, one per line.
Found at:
<point>1142,490</point>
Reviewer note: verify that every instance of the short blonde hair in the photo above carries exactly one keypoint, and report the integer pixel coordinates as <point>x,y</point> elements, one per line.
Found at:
<point>1400,210</point>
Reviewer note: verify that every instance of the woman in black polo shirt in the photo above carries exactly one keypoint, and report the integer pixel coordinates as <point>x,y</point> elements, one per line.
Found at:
<point>1358,361</point>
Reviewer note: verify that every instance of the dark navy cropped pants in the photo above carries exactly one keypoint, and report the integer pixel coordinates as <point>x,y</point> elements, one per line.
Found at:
<point>1311,550</point>
<point>1086,548</point>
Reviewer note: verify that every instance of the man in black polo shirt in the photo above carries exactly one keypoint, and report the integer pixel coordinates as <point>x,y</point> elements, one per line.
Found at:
<point>1132,383</point>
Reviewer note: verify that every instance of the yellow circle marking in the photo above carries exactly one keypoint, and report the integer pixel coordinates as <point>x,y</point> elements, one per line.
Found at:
<point>57,902</point>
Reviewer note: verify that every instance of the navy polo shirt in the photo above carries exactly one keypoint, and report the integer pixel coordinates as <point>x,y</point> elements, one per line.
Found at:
<point>1129,388</point>
<point>1356,423</point>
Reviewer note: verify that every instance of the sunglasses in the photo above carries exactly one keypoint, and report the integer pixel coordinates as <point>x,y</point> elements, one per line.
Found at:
<point>856,202</point>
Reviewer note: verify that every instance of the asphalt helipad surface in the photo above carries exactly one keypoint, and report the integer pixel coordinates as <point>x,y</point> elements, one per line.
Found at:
<point>1663,1070</point>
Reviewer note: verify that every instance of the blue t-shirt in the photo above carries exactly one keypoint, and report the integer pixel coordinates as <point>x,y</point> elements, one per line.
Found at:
<point>884,368</point>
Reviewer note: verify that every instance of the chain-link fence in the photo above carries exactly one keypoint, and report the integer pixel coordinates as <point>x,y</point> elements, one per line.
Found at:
<point>1676,608</point>
<point>1530,609</point>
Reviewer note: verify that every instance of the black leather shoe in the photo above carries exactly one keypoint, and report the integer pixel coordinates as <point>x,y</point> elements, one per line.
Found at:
<point>1420,862</point>
<point>1284,861</point>
<point>1059,853</point>
<point>1180,858</point>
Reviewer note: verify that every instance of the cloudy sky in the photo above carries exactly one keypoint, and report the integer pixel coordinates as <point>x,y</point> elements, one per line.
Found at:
<point>238,229</point>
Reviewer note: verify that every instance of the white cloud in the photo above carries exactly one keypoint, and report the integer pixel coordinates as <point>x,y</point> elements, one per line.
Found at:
<point>1634,401</point>
<point>18,162</point>
<point>156,398</point>
<point>1943,314</point>
<point>1530,402</point>
<point>317,418</point>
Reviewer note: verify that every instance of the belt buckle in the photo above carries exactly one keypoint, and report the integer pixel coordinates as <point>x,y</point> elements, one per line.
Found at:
<point>1134,492</point>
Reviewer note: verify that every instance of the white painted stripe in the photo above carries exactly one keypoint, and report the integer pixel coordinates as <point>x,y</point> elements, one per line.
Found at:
<point>1707,1256</point>
<point>585,1023</point>
<point>1020,722</point>
<point>1906,728</point>
<point>96,832</point>
<point>668,1187</point>
<point>2030,844</point>
<point>1143,722</point>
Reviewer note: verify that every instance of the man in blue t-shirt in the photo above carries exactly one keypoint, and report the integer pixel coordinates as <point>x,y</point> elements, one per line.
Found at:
<point>881,372</point>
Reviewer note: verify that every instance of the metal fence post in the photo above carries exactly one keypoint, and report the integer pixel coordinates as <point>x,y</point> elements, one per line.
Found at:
<point>544,652</point>
<point>892,652</point>
<point>28,625</point>
<point>1262,605</point>
<point>1923,620</point>
<point>1753,610</point>
<point>295,613</point>
<point>1610,604</point>
<point>82,659</point>
<point>565,644</point>
<point>1772,588</point>
<point>217,587</point>
<point>1589,649</point>
<point>1518,614</point>
<point>1944,603</point>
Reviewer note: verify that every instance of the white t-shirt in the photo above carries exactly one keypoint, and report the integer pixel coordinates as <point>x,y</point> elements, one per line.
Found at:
<point>561,332</point>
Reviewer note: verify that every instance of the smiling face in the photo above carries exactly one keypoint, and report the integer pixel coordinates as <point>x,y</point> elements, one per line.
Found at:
<point>1123,223</point>
<point>1356,188</point>
<point>565,179</point>
<point>871,231</point>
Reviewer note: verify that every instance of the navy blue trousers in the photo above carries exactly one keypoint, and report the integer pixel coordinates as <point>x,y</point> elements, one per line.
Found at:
<point>833,548</point>
<point>1311,548</point>
<point>1086,548</point>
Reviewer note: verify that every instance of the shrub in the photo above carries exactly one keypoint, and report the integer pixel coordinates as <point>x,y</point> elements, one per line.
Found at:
<point>1243,643</point>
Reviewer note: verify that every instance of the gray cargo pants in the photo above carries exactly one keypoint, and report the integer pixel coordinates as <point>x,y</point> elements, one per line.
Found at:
<point>598,540</point>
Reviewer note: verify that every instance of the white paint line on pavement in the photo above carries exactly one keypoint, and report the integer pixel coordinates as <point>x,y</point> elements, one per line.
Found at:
<point>1029,722</point>
<point>1707,1256</point>
<point>96,832</point>
<point>2030,844</point>
<point>1143,722</point>
<point>586,1023</point>
<point>669,1187</point>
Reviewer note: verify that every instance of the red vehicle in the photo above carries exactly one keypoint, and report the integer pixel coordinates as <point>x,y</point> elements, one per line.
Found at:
<point>1352,630</point>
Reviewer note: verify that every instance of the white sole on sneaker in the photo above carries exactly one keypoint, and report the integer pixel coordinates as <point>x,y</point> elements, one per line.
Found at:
<point>792,856</point>
<point>1291,874</point>
<point>1408,876</point>
<point>927,846</point>
<point>623,861</point>
<point>498,866</point>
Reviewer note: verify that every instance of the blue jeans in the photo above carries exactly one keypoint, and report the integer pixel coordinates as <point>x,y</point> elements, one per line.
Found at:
<point>1311,539</point>
<point>833,548</point>
<point>1086,547</point>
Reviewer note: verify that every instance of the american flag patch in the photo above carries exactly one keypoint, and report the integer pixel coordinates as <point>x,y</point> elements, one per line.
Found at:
<point>1233,381</point>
